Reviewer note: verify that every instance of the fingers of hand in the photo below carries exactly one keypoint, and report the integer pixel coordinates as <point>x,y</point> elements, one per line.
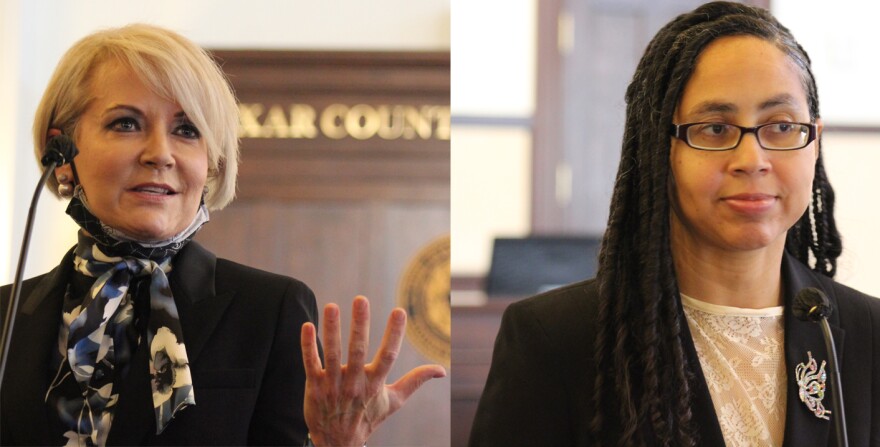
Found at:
<point>401,390</point>
<point>358,344</point>
<point>390,348</point>
<point>359,338</point>
<point>309,346</point>
<point>332,340</point>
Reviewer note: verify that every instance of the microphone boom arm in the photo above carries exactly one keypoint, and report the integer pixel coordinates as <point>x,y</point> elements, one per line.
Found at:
<point>837,395</point>
<point>12,306</point>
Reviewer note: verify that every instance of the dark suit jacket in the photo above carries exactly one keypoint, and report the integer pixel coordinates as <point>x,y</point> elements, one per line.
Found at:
<point>540,384</point>
<point>241,328</point>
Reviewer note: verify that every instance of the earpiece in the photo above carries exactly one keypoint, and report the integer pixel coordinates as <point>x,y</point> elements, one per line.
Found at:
<point>59,150</point>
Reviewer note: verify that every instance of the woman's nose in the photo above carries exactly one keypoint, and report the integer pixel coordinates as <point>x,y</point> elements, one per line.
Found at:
<point>749,157</point>
<point>157,153</point>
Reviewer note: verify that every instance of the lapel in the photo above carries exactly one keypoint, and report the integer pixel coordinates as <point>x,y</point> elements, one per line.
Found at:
<point>703,410</point>
<point>802,427</point>
<point>200,308</point>
<point>193,282</point>
<point>35,336</point>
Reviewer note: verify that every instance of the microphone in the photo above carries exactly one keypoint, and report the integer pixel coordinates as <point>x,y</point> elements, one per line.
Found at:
<point>811,304</point>
<point>60,150</point>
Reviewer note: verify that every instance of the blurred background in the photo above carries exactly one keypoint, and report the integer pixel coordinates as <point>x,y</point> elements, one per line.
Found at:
<point>537,113</point>
<point>537,117</point>
<point>344,180</point>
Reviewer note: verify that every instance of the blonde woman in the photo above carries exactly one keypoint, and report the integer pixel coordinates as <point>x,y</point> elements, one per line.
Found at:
<point>141,336</point>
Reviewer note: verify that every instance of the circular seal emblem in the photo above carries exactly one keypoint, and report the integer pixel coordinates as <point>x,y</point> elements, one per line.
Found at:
<point>424,293</point>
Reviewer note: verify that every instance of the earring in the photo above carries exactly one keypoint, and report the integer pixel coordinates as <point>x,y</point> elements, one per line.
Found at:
<point>65,190</point>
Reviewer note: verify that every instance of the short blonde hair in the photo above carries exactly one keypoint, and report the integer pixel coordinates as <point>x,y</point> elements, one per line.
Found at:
<point>170,65</point>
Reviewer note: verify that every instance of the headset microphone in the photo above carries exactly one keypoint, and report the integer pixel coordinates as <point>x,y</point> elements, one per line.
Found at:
<point>60,151</point>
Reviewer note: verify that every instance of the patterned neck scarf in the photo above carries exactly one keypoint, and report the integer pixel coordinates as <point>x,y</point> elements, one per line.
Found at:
<point>96,334</point>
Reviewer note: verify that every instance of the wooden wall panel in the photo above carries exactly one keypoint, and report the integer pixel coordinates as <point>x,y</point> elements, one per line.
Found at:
<point>342,125</point>
<point>348,175</point>
<point>344,215</point>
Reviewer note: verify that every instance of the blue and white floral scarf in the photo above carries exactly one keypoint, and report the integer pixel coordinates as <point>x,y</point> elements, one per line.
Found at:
<point>93,338</point>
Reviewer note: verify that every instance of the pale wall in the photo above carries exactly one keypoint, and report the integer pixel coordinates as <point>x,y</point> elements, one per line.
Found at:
<point>851,161</point>
<point>841,38</point>
<point>491,192</point>
<point>493,58</point>
<point>493,100</point>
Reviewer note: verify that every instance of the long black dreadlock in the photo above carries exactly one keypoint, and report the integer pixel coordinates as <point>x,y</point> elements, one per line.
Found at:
<point>643,374</point>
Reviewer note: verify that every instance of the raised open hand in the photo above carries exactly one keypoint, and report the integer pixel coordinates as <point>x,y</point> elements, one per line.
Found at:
<point>344,404</point>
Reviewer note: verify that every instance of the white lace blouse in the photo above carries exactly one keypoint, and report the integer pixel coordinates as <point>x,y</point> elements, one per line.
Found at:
<point>742,355</point>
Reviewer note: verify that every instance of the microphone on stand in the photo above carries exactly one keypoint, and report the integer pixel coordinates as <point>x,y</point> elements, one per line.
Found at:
<point>60,150</point>
<point>811,304</point>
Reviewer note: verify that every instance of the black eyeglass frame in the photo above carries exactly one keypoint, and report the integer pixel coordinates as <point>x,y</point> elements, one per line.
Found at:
<point>680,131</point>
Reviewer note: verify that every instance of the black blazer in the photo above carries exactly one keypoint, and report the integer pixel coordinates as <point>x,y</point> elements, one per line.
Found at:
<point>241,327</point>
<point>540,384</point>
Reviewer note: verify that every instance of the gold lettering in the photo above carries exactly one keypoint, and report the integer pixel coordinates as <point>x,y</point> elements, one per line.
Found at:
<point>390,122</point>
<point>275,125</point>
<point>415,122</point>
<point>250,120</point>
<point>333,121</point>
<point>441,117</point>
<point>337,121</point>
<point>362,122</point>
<point>302,121</point>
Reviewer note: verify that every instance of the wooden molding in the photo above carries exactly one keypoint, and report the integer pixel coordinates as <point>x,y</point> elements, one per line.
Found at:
<point>327,125</point>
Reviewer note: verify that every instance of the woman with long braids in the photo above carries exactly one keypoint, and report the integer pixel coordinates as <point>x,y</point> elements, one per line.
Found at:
<point>721,214</point>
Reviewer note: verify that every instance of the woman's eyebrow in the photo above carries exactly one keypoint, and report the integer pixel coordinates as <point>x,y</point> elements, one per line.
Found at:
<point>127,107</point>
<point>713,107</point>
<point>179,115</point>
<point>783,99</point>
<point>710,106</point>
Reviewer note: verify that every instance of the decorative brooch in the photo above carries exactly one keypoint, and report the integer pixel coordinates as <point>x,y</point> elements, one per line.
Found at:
<point>811,386</point>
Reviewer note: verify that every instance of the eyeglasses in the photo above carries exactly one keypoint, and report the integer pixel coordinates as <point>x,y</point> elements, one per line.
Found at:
<point>722,137</point>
